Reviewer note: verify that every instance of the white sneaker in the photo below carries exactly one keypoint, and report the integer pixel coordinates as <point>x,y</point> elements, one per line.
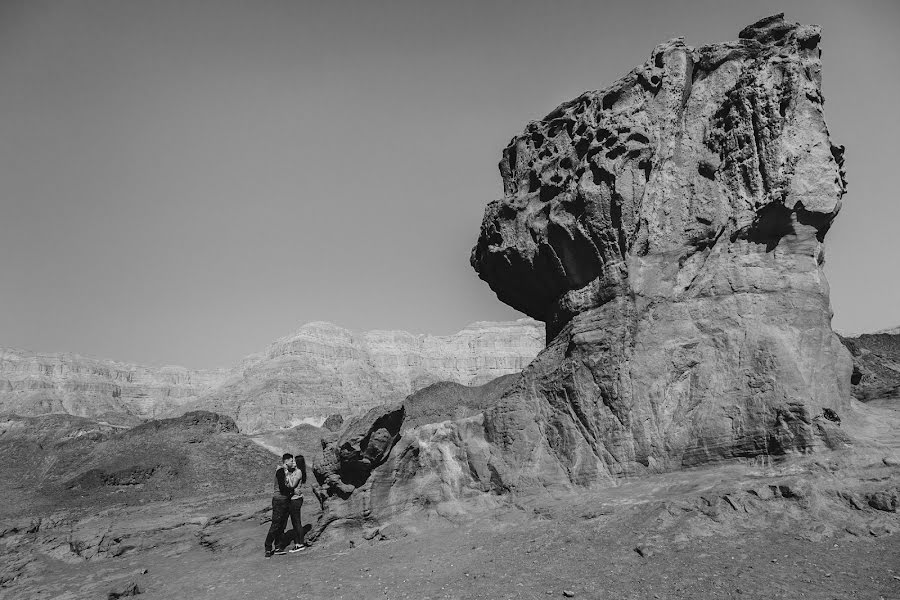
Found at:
<point>297,548</point>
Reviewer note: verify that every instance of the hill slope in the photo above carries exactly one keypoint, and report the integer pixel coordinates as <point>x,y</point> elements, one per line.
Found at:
<point>56,461</point>
<point>876,364</point>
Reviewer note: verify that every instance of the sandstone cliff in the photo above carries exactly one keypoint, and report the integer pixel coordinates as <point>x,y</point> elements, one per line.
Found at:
<point>319,370</point>
<point>37,383</point>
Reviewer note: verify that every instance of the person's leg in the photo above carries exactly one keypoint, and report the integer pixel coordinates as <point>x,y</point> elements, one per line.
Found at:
<point>296,505</point>
<point>280,510</point>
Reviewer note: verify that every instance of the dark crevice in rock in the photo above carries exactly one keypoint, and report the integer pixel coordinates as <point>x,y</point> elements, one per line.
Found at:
<point>602,176</point>
<point>549,192</point>
<point>610,99</point>
<point>511,154</point>
<point>706,170</point>
<point>783,106</point>
<point>582,146</point>
<point>772,222</point>
<point>638,137</point>
<point>616,152</point>
<point>615,215</point>
<point>647,166</point>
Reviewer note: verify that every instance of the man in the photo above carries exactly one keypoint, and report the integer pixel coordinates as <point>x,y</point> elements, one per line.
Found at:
<point>295,479</point>
<point>281,504</point>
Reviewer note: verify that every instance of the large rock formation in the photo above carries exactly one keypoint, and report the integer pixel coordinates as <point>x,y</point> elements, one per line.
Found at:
<point>669,230</point>
<point>318,371</point>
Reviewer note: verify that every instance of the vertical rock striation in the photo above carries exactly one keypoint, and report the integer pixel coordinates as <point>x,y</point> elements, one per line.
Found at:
<point>669,230</point>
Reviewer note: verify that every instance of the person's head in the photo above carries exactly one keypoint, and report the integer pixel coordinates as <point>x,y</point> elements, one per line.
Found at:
<point>287,460</point>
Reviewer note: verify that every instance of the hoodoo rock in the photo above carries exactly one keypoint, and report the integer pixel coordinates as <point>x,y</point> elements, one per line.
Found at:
<point>669,230</point>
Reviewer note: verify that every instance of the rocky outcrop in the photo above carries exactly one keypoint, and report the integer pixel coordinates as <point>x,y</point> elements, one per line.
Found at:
<point>876,364</point>
<point>428,451</point>
<point>669,229</point>
<point>318,371</point>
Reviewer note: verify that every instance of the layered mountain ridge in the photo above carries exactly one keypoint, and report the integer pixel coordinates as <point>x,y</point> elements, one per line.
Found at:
<point>319,370</point>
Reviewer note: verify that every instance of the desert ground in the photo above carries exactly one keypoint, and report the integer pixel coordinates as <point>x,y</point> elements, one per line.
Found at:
<point>823,525</point>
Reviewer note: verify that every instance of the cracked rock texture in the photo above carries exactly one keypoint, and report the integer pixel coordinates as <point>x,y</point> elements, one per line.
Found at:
<point>669,230</point>
<point>318,371</point>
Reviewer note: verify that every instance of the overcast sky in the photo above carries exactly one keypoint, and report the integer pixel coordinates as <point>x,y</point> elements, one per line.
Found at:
<point>183,182</point>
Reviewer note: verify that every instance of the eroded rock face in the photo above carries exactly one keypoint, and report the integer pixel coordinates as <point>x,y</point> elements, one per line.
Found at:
<point>346,464</point>
<point>669,230</point>
<point>426,454</point>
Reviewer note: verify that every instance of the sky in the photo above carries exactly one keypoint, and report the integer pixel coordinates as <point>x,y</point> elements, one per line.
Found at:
<point>182,182</point>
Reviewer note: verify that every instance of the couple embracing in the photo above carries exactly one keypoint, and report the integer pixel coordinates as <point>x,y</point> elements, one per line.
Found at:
<point>287,500</point>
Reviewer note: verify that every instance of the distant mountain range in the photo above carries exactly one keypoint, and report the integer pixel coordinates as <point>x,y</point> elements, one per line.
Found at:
<point>319,370</point>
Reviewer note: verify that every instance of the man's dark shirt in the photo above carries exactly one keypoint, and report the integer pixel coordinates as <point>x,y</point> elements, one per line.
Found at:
<point>282,489</point>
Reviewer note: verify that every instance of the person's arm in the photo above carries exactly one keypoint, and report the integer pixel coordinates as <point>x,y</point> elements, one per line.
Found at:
<point>301,466</point>
<point>283,487</point>
<point>293,479</point>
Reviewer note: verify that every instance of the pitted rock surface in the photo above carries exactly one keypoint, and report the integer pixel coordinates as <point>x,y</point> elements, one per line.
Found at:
<point>669,230</point>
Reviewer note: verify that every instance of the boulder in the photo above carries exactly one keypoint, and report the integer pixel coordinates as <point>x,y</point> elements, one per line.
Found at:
<point>427,454</point>
<point>346,464</point>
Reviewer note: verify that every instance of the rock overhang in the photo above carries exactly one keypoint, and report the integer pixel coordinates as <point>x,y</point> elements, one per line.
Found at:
<point>698,146</point>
